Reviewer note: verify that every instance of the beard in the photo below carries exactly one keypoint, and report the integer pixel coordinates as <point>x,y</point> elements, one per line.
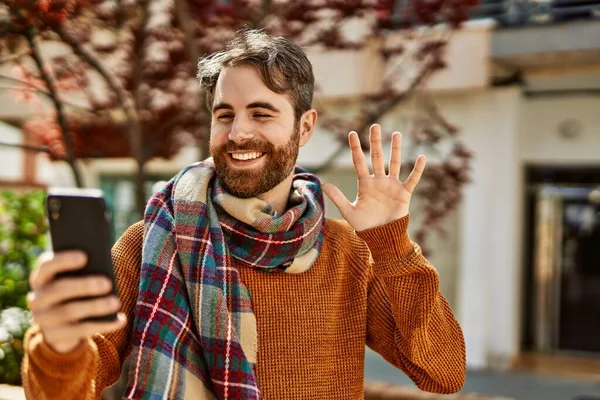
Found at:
<point>251,182</point>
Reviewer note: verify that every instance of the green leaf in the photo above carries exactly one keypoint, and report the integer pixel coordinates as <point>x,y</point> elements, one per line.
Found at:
<point>22,238</point>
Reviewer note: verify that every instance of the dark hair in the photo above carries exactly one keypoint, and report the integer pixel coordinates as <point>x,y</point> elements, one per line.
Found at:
<point>282,64</point>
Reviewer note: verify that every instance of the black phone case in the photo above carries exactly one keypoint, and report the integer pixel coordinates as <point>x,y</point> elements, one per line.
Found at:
<point>80,223</point>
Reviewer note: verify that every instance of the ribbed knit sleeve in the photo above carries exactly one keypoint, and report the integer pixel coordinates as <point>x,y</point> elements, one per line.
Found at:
<point>83,373</point>
<point>51,375</point>
<point>409,322</point>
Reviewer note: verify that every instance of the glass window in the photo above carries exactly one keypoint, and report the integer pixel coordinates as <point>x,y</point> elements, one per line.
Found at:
<point>119,192</point>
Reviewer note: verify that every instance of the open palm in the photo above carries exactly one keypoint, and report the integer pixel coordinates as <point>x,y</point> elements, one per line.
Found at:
<point>381,198</point>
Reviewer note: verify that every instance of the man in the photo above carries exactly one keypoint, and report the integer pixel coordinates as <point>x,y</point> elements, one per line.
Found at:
<point>235,286</point>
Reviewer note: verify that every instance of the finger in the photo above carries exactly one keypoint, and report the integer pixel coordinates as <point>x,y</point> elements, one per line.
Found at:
<point>358,157</point>
<point>396,155</point>
<point>376,150</point>
<point>84,330</point>
<point>415,175</point>
<point>50,264</point>
<point>64,289</point>
<point>337,197</point>
<point>76,311</point>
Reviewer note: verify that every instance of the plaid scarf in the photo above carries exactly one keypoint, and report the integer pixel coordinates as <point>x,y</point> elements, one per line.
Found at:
<point>194,333</point>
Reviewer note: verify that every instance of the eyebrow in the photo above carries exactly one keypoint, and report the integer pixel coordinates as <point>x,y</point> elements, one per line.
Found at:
<point>256,104</point>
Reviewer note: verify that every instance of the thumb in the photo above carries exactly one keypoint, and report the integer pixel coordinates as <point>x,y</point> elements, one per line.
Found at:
<point>337,197</point>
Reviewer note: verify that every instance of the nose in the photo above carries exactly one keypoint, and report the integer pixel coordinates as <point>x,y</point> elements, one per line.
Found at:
<point>241,129</point>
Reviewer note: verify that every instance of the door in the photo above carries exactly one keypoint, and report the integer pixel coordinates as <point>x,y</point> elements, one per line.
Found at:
<point>567,269</point>
<point>579,324</point>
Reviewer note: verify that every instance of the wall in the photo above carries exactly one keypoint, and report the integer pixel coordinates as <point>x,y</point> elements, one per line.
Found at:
<point>488,267</point>
<point>468,51</point>
<point>11,160</point>
<point>539,138</point>
<point>349,73</point>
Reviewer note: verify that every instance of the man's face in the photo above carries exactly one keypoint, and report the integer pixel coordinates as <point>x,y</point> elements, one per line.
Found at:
<point>254,138</point>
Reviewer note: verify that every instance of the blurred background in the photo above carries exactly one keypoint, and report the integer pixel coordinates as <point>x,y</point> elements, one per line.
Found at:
<point>502,96</point>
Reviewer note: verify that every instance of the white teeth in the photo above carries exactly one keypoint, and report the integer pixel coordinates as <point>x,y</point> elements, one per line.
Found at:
<point>246,156</point>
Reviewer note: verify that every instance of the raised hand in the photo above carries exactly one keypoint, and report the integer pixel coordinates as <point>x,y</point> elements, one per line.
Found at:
<point>381,198</point>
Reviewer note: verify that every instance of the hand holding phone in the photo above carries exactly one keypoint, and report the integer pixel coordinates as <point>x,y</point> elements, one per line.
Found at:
<point>55,303</point>
<point>73,289</point>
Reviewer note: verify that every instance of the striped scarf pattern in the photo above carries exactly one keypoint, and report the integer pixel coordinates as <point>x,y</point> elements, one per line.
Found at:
<point>194,333</point>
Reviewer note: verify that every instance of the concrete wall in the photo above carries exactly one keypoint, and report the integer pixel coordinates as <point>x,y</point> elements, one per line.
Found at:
<point>541,122</point>
<point>349,73</point>
<point>488,289</point>
<point>11,160</point>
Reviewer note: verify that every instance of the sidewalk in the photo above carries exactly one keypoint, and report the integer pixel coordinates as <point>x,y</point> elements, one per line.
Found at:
<point>516,385</point>
<point>11,393</point>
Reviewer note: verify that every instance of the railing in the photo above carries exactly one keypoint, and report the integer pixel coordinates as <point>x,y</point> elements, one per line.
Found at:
<point>525,12</point>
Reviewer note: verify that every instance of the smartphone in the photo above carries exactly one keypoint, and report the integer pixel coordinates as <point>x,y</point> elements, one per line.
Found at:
<point>78,220</point>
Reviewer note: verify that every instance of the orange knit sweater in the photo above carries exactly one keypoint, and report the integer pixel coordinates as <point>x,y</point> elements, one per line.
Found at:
<point>372,287</point>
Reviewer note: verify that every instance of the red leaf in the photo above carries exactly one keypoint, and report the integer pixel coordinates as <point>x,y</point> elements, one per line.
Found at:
<point>44,5</point>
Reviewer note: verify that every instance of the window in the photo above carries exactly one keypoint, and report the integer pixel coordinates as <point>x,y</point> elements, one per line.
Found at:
<point>119,192</point>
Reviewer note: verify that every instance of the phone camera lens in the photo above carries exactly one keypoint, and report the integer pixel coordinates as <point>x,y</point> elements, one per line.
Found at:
<point>54,205</point>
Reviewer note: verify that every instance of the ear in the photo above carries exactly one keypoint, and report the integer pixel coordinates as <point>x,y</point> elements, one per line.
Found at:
<point>307,125</point>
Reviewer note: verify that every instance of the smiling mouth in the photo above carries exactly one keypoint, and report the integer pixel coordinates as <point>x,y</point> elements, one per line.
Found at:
<point>246,157</point>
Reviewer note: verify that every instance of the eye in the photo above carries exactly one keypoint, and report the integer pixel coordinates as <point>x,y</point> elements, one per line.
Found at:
<point>261,116</point>
<point>225,117</point>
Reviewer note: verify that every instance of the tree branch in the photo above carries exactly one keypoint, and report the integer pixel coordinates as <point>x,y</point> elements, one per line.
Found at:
<point>13,57</point>
<point>396,99</point>
<point>130,107</point>
<point>33,89</point>
<point>49,80</point>
<point>397,66</point>
<point>5,25</point>
<point>8,27</point>
<point>37,149</point>
<point>134,133</point>
<point>139,55</point>
<point>113,83</point>
<point>20,81</point>
<point>13,121</point>
<point>119,12</point>
<point>182,13</point>
<point>151,143</point>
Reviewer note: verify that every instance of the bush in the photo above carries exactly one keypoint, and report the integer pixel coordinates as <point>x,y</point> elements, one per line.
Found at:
<point>22,238</point>
<point>14,322</point>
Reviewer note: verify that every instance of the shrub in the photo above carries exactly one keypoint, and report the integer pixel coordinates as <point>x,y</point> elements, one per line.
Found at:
<point>22,238</point>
